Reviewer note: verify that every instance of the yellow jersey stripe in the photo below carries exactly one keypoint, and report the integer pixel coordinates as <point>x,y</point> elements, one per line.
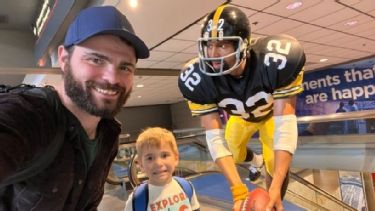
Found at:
<point>291,92</point>
<point>292,89</point>
<point>200,109</point>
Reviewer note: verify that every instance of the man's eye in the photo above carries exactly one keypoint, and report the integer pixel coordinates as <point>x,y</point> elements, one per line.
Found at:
<point>127,68</point>
<point>209,45</point>
<point>96,60</point>
<point>223,45</point>
<point>124,68</point>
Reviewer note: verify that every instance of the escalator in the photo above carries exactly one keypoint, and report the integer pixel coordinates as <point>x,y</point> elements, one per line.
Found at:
<point>211,184</point>
<point>330,150</point>
<point>212,188</point>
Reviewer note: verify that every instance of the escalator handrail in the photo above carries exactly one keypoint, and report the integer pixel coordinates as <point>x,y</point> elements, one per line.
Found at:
<point>314,204</point>
<point>353,115</point>
<point>321,191</point>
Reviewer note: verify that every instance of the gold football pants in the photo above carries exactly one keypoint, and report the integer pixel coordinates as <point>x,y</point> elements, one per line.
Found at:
<point>238,133</point>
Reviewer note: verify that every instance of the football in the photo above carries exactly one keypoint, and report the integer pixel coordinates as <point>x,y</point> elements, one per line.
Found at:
<point>257,199</point>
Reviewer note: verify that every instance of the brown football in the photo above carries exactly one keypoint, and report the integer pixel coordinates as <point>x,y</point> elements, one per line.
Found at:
<point>257,199</point>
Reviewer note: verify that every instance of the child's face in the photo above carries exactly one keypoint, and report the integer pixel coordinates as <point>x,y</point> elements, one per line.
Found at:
<point>158,163</point>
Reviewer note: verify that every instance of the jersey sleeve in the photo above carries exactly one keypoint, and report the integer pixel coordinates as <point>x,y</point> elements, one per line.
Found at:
<point>293,88</point>
<point>198,89</point>
<point>282,59</point>
<point>201,109</point>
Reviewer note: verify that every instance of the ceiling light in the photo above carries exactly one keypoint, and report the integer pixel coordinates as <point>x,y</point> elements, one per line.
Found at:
<point>351,23</point>
<point>139,96</point>
<point>42,17</point>
<point>140,85</point>
<point>133,3</point>
<point>323,60</point>
<point>294,5</point>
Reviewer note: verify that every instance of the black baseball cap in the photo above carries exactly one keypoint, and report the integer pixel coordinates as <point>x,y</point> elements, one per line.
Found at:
<point>104,20</point>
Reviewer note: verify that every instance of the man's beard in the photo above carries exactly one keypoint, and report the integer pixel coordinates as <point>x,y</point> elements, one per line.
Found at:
<point>83,98</point>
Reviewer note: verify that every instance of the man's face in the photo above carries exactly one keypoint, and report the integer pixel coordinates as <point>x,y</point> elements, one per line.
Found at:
<point>217,49</point>
<point>98,75</point>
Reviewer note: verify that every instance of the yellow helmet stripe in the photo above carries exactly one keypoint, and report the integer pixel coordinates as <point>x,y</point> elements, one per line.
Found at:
<point>215,20</point>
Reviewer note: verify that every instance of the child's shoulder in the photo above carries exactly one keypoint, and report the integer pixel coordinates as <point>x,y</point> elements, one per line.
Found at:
<point>181,181</point>
<point>185,185</point>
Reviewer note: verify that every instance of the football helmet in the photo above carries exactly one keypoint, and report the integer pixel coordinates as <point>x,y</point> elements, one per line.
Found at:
<point>226,23</point>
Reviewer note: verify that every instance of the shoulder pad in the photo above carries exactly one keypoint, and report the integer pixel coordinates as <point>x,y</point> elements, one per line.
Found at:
<point>280,57</point>
<point>196,86</point>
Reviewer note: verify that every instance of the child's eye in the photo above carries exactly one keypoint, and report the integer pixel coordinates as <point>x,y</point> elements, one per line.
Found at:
<point>165,155</point>
<point>149,158</point>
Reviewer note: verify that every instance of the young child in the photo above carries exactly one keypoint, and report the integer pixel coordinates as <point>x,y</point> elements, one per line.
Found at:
<point>158,157</point>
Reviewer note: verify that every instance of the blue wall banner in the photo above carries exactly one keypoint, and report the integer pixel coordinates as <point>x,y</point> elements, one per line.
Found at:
<point>334,90</point>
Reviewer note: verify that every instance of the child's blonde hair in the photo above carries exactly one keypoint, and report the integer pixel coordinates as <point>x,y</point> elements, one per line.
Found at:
<point>154,136</point>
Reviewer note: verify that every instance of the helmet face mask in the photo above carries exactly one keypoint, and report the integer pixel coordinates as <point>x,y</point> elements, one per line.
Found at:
<point>205,62</point>
<point>226,23</point>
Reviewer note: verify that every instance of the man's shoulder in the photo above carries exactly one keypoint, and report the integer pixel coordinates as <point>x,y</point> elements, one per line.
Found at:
<point>192,68</point>
<point>280,58</point>
<point>28,96</point>
<point>265,39</point>
<point>279,51</point>
<point>195,85</point>
<point>280,43</point>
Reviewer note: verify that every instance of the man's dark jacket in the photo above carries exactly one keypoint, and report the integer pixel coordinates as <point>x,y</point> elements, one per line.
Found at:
<point>28,125</point>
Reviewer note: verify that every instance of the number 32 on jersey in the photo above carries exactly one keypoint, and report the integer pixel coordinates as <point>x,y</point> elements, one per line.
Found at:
<point>190,80</point>
<point>275,45</point>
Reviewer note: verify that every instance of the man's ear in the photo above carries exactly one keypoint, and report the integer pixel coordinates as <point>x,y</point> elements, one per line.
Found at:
<point>63,57</point>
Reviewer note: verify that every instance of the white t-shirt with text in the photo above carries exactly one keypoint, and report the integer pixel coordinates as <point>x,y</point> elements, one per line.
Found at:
<point>169,197</point>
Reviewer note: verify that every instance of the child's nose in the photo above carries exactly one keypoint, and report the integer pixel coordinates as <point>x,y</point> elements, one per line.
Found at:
<point>158,161</point>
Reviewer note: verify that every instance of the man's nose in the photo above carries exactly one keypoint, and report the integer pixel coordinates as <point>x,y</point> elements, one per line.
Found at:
<point>214,51</point>
<point>111,74</point>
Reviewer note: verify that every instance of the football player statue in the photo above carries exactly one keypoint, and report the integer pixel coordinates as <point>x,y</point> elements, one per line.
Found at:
<point>256,85</point>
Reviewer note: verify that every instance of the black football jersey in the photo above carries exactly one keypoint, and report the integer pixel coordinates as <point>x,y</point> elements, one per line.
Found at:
<point>274,70</point>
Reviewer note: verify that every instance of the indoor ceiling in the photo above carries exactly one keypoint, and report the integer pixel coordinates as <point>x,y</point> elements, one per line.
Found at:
<point>338,32</point>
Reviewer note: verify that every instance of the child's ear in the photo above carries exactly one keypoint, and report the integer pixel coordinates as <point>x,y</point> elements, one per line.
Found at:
<point>138,162</point>
<point>177,157</point>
